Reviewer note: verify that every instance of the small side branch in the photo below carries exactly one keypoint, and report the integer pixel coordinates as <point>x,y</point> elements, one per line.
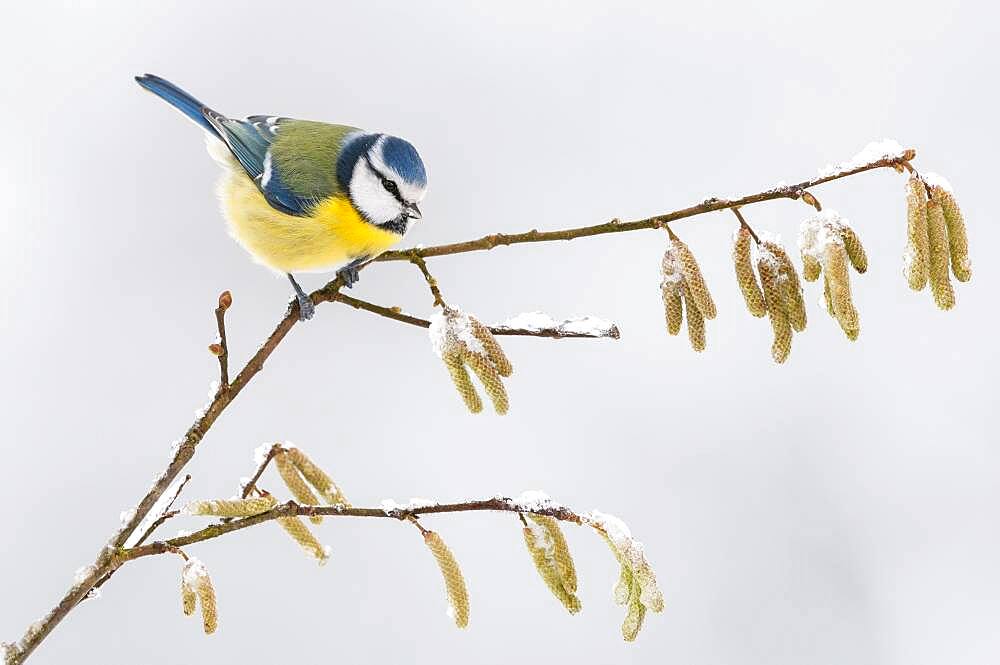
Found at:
<point>221,348</point>
<point>432,284</point>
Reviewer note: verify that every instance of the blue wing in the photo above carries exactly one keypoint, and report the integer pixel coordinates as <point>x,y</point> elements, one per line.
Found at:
<point>250,142</point>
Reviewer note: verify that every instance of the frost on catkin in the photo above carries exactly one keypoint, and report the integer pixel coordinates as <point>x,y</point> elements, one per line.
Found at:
<point>461,341</point>
<point>550,554</point>
<point>637,589</point>
<point>752,294</point>
<point>454,582</point>
<point>195,582</point>
<point>828,241</point>
<point>682,283</point>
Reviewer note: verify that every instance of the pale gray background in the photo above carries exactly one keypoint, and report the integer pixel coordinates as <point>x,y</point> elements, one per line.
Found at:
<point>840,509</point>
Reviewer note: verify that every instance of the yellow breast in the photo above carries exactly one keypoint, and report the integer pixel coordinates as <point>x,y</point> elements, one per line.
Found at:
<point>333,235</point>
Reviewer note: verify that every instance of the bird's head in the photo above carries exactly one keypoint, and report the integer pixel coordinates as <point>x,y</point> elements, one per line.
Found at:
<point>388,182</point>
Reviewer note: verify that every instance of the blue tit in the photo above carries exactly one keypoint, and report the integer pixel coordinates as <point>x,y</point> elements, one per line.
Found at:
<point>304,196</point>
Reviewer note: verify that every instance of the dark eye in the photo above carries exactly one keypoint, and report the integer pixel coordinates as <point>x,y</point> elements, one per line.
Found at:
<point>390,186</point>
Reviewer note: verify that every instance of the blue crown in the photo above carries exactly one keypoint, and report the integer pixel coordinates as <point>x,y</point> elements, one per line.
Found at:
<point>402,157</point>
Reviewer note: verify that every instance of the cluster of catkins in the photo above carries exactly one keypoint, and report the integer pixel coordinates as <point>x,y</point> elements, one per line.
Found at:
<point>461,341</point>
<point>829,247</point>
<point>636,588</point>
<point>778,293</point>
<point>304,480</point>
<point>685,294</point>
<point>935,237</point>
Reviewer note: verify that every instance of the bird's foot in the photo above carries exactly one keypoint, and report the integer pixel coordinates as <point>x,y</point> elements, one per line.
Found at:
<point>306,307</point>
<point>349,275</point>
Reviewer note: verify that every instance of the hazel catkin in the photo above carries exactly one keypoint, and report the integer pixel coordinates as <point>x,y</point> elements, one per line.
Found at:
<point>917,249</point>
<point>958,242</point>
<point>745,277</point>
<point>944,294</point>
<point>780,325</point>
<point>694,282</point>
<point>835,268</point>
<point>454,581</point>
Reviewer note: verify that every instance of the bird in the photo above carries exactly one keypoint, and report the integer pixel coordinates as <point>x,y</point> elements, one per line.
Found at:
<point>306,196</point>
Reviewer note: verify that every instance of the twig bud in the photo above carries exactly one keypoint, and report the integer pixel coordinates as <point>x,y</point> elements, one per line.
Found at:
<point>215,349</point>
<point>454,582</point>
<point>225,300</point>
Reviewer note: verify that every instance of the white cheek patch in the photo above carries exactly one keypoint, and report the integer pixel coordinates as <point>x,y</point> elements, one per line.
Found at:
<point>368,194</point>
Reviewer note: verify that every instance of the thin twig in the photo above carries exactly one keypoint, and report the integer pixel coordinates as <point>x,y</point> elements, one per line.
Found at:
<point>167,512</point>
<point>259,471</point>
<point>743,223</point>
<point>109,559</point>
<point>432,283</point>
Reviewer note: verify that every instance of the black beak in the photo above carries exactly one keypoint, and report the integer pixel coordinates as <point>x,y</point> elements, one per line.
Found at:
<point>412,211</point>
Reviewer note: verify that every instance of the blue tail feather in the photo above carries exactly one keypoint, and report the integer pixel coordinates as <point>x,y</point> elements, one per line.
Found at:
<point>177,98</point>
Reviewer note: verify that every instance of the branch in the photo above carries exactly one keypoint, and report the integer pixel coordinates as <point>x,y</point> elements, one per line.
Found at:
<point>291,509</point>
<point>108,559</point>
<point>615,226</point>
<point>568,329</point>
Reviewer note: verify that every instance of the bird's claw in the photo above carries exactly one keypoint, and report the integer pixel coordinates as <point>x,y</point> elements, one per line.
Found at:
<point>349,275</point>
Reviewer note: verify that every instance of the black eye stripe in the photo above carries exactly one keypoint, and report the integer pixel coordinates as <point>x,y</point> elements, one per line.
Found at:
<point>389,185</point>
